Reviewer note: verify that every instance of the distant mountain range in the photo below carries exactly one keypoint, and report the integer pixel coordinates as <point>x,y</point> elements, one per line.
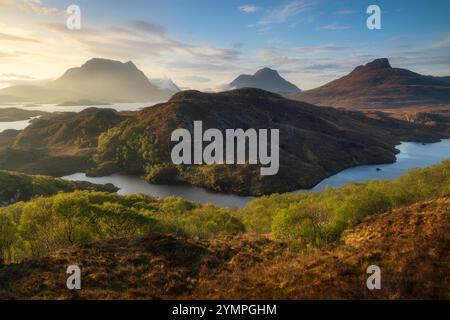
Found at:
<point>378,85</point>
<point>265,79</point>
<point>446,79</point>
<point>96,80</point>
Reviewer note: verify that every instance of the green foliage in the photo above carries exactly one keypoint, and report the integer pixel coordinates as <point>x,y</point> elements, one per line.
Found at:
<point>132,148</point>
<point>162,173</point>
<point>203,222</point>
<point>306,220</point>
<point>16,186</point>
<point>311,219</point>
<point>9,237</point>
<point>44,224</point>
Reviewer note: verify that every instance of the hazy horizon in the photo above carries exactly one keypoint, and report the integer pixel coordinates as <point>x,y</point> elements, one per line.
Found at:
<point>310,42</point>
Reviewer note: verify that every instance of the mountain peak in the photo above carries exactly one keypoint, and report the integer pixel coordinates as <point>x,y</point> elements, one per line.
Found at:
<point>101,62</point>
<point>265,79</point>
<point>378,85</point>
<point>266,71</point>
<point>380,63</point>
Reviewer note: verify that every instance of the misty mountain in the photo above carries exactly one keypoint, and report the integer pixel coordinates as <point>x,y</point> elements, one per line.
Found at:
<point>378,85</point>
<point>165,84</point>
<point>97,79</point>
<point>446,79</point>
<point>265,79</point>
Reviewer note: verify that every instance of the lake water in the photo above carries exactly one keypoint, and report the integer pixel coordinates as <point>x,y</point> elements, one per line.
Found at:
<point>133,184</point>
<point>412,155</point>
<point>56,108</point>
<point>19,125</point>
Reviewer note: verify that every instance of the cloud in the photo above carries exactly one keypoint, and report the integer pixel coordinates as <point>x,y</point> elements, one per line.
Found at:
<point>249,8</point>
<point>11,54</point>
<point>321,49</point>
<point>276,56</point>
<point>286,11</point>
<point>139,39</point>
<point>333,26</point>
<point>145,27</point>
<point>345,12</point>
<point>445,43</point>
<point>15,76</point>
<point>39,8</point>
<point>326,66</point>
<point>194,78</point>
<point>9,37</point>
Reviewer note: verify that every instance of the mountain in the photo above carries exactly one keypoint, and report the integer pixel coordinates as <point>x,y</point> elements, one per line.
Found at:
<point>315,142</point>
<point>265,79</point>
<point>96,80</point>
<point>378,85</point>
<point>57,144</point>
<point>22,187</point>
<point>165,84</point>
<point>446,79</point>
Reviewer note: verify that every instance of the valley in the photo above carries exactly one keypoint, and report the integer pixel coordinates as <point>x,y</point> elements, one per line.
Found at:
<point>103,141</point>
<point>346,189</point>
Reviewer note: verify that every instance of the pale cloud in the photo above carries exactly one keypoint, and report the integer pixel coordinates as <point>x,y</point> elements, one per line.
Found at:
<point>312,50</point>
<point>37,7</point>
<point>249,8</point>
<point>286,11</point>
<point>345,12</point>
<point>137,39</point>
<point>444,43</point>
<point>333,26</point>
<point>15,76</point>
<point>10,37</point>
<point>195,78</point>
<point>11,54</point>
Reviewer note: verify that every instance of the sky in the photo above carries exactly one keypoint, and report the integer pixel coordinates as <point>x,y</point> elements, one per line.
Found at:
<point>204,45</point>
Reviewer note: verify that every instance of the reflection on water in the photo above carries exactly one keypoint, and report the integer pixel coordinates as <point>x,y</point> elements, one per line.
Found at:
<point>56,108</point>
<point>412,155</point>
<point>17,125</point>
<point>133,184</point>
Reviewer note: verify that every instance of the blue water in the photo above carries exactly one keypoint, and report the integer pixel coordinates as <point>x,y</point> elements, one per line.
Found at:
<point>412,155</point>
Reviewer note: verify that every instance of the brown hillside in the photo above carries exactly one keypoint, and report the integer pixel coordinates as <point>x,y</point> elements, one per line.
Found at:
<point>378,85</point>
<point>411,245</point>
<point>315,142</point>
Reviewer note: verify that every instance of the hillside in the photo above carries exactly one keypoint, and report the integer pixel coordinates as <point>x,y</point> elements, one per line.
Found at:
<point>409,244</point>
<point>314,142</point>
<point>16,114</point>
<point>378,85</point>
<point>16,186</point>
<point>265,79</point>
<point>96,80</point>
<point>56,144</point>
